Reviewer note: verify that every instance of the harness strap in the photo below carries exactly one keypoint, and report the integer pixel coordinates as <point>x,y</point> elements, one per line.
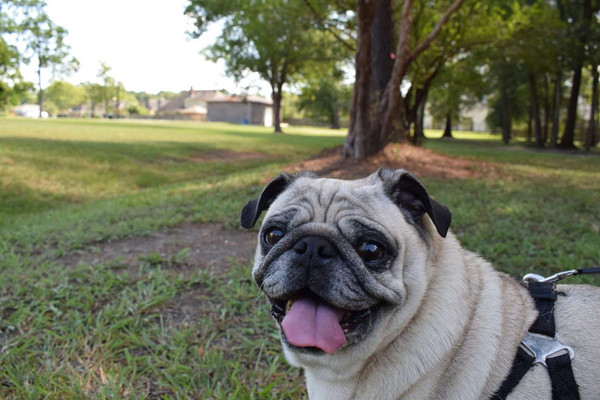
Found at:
<point>523,361</point>
<point>544,296</point>
<point>564,386</point>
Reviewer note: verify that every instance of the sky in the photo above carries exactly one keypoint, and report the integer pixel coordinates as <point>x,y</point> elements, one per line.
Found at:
<point>144,42</point>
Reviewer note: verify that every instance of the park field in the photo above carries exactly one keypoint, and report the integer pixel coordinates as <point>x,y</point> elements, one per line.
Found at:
<point>124,273</point>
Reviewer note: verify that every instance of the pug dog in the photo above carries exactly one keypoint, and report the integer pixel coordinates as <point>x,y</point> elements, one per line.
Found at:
<point>376,299</point>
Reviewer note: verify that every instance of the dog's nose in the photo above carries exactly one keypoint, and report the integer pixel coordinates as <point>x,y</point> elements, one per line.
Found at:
<point>314,247</point>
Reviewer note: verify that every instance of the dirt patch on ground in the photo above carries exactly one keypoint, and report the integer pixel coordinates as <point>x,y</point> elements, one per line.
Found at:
<point>210,247</point>
<point>214,248</point>
<point>418,160</point>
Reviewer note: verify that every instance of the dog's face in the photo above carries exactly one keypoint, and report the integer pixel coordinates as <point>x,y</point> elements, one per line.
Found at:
<point>336,259</point>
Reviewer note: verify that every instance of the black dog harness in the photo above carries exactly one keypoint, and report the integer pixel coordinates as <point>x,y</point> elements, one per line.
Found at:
<point>543,342</point>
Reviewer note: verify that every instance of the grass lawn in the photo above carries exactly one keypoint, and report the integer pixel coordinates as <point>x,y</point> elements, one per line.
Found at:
<point>110,330</point>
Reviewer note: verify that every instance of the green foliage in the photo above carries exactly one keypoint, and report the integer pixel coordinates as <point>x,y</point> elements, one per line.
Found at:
<point>270,37</point>
<point>13,23</point>
<point>273,38</point>
<point>95,95</point>
<point>64,96</point>
<point>44,42</point>
<point>324,96</point>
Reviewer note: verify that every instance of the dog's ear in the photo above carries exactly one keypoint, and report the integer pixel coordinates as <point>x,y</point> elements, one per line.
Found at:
<point>255,207</point>
<point>406,191</point>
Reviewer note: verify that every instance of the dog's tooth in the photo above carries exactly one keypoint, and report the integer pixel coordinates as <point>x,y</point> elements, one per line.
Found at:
<point>288,305</point>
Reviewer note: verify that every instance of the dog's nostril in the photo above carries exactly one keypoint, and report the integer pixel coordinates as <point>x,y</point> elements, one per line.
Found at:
<point>300,247</point>
<point>325,251</point>
<point>314,247</point>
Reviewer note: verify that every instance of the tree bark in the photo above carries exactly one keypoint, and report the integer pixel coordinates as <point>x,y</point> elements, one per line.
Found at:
<point>335,118</point>
<point>590,140</point>
<point>558,83</point>
<point>40,92</point>
<point>276,97</point>
<point>535,110</point>
<point>378,121</point>
<point>546,110</point>
<point>448,129</point>
<point>382,47</point>
<point>567,140</point>
<point>506,117</point>
<point>277,79</point>
<point>419,119</point>
<point>358,143</point>
<point>529,122</point>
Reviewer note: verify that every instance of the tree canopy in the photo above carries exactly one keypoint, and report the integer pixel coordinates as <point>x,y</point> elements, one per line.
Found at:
<point>43,42</point>
<point>274,38</point>
<point>525,58</point>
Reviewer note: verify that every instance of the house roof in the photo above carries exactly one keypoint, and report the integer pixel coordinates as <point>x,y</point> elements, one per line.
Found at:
<point>209,96</point>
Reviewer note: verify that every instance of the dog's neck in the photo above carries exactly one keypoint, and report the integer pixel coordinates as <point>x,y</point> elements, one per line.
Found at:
<point>434,351</point>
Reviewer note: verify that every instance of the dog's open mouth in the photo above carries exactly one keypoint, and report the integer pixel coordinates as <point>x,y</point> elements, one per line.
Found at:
<point>309,322</point>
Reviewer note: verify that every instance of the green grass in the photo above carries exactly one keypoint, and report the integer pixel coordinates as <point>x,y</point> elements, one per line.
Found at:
<point>112,331</point>
<point>47,164</point>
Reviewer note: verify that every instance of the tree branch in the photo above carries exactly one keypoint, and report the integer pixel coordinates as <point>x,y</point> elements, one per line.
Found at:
<point>436,30</point>
<point>328,28</point>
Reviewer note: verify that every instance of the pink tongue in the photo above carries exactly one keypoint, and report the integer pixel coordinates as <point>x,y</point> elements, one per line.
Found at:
<point>309,323</point>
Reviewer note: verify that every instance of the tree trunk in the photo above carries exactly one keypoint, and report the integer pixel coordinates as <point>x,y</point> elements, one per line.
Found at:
<point>448,128</point>
<point>358,143</point>
<point>419,119</point>
<point>546,109</point>
<point>382,48</point>
<point>276,97</point>
<point>40,92</point>
<point>335,117</point>
<point>377,120</point>
<point>416,113</point>
<point>530,122</point>
<point>590,140</point>
<point>567,140</point>
<point>556,109</point>
<point>506,119</point>
<point>535,111</point>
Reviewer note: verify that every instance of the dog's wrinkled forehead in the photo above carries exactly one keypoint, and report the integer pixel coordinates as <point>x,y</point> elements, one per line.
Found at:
<point>324,199</point>
<point>328,200</point>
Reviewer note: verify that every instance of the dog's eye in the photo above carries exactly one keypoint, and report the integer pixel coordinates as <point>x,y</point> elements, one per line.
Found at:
<point>370,252</point>
<point>273,236</point>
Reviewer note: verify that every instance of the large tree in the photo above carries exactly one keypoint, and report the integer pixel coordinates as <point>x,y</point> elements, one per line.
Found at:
<point>14,19</point>
<point>459,85</point>
<point>271,37</point>
<point>63,96</point>
<point>377,110</point>
<point>26,21</point>
<point>579,14</point>
<point>323,94</point>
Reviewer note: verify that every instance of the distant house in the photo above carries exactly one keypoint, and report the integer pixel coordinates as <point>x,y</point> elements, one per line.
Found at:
<point>216,106</point>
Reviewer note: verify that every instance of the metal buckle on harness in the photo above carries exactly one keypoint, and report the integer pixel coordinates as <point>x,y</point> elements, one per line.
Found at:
<point>544,347</point>
<point>552,278</point>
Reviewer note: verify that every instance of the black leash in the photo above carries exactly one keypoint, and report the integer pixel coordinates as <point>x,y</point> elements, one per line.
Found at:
<point>543,341</point>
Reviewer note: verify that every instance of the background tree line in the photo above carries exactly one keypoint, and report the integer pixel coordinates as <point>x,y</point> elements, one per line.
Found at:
<point>29,37</point>
<point>530,60</point>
